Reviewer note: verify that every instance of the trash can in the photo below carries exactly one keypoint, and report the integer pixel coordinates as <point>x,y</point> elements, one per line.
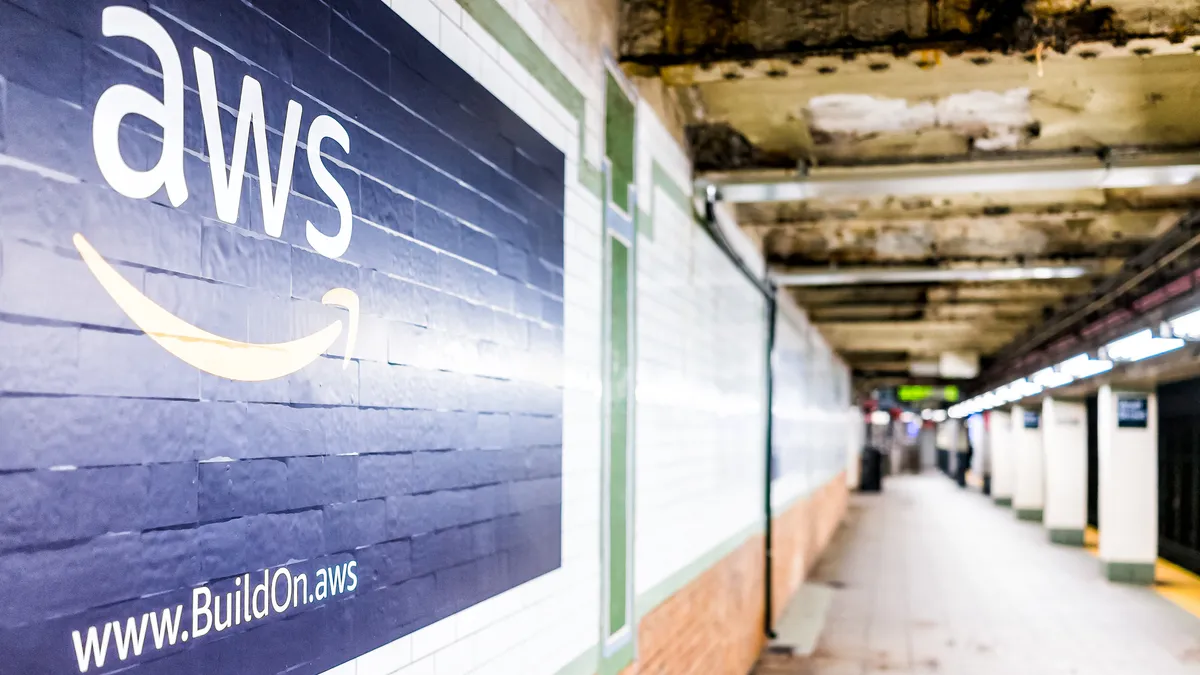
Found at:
<point>872,470</point>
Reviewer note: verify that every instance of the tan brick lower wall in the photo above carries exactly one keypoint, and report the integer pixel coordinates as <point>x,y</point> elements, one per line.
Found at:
<point>714,625</point>
<point>801,534</point>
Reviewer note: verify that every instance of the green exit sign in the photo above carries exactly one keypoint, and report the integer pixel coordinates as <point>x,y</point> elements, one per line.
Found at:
<point>925,392</point>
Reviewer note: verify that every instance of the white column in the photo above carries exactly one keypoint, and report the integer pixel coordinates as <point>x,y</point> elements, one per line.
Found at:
<point>953,445</point>
<point>999,425</point>
<point>1029,491</point>
<point>1127,428</point>
<point>856,436</point>
<point>1065,440</point>
<point>981,463</point>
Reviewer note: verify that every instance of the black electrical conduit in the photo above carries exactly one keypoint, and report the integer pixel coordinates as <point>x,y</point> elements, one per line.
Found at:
<point>767,290</point>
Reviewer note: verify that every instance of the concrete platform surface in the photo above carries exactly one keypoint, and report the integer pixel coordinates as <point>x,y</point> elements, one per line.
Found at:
<point>930,578</point>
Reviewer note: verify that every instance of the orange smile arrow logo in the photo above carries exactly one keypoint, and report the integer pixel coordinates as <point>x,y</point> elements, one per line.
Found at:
<point>230,359</point>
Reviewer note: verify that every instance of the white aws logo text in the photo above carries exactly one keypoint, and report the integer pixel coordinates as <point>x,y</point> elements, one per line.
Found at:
<point>215,354</point>
<point>124,99</point>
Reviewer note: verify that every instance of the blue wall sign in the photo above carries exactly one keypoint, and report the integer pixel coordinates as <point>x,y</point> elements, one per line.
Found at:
<point>1033,419</point>
<point>1133,411</point>
<point>280,336</point>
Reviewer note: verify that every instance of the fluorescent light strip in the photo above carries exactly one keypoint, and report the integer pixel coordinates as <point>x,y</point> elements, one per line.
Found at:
<point>1141,345</point>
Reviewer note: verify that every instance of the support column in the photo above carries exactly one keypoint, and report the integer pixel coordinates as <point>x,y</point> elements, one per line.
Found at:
<point>1065,439</point>
<point>999,426</point>
<point>1127,428</point>
<point>981,462</point>
<point>856,437</point>
<point>1029,493</point>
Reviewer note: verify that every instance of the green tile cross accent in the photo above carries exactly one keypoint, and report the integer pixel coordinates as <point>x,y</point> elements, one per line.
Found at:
<point>512,37</point>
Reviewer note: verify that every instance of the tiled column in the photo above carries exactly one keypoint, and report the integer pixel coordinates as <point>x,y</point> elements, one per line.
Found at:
<point>1064,435</point>
<point>1029,490</point>
<point>856,437</point>
<point>954,439</point>
<point>999,426</point>
<point>981,462</point>
<point>1127,428</point>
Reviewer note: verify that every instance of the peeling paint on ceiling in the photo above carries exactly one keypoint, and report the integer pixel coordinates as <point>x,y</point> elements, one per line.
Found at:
<point>993,120</point>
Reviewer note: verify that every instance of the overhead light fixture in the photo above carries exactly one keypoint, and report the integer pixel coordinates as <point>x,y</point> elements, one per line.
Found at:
<point>939,416</point>
<point>1050,378</point>
<point>1186,326</point>
<point>1141,345</point>
<point>1083,366</point>
<point>1023,388</point>
<point>880,418</point>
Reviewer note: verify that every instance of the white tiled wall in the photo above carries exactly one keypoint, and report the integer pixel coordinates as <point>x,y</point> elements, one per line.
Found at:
<point>701,381</point>
<point>813,423</point>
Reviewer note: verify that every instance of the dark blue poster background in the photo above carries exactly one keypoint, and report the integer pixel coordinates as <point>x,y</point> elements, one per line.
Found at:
<point>168,504</point>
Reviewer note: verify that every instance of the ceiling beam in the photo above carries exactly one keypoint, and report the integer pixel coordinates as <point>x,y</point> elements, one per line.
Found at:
<point>659,34</point>
<point>882,60</point>
<point>919,310</point>
<point>905,215</point>
<point>865,275</point>
<point>1043,292</point>
<point>1079,173</point>
<point>920,337</point>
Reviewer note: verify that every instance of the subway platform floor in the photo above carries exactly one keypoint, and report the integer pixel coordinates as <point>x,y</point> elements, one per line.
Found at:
<point>929,578</point>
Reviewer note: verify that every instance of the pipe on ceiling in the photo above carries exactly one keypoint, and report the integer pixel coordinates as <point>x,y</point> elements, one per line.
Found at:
<point>901,275</point>
<point>973,177</point>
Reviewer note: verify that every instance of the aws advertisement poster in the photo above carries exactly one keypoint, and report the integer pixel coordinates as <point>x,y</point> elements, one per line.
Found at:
<point>280,336</point>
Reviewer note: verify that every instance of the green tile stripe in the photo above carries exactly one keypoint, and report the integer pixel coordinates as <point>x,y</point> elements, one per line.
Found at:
<point>584,664</point>
<point>661,181</point>
<point>620,147</point>
<point>652,598</point>
<point>618,424</point>
<point>496,20</point>
<point>617,661</point>
<point>589,662</point>
<point>1006,502</point>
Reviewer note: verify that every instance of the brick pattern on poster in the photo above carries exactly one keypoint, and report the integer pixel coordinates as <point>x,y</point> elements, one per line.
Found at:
<point>127,476</point>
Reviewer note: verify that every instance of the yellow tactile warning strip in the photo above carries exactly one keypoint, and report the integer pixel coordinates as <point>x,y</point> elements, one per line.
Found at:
<point>1170,580</point>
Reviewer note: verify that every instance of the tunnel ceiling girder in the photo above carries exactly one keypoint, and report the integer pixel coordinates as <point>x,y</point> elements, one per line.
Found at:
<point>670,32</point>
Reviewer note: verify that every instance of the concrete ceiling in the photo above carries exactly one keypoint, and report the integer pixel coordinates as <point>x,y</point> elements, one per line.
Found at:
<point>802,85</point>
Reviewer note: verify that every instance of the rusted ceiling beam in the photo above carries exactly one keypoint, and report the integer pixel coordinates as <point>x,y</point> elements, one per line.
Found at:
<point>663,33</point>
<point>911,311</point>
<point>884,61</point>
<point>947,267</point>
<point>907,215</point>
<point>1044,292</point>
